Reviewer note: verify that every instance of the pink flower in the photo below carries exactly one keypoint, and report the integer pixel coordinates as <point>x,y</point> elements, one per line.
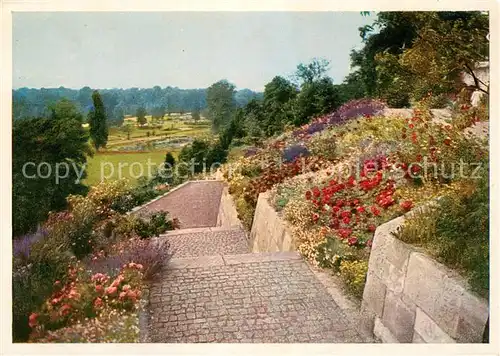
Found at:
<point>111,290</point>
<point>126,287</point>
<point>98,303</point>
<point>32,320</point>
<point>99,288</point>
<point>122,295</point>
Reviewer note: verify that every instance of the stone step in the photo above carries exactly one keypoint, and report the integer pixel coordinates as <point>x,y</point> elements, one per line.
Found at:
<point>212,241</point>
<point>245,298</point>
<point>232,259</point>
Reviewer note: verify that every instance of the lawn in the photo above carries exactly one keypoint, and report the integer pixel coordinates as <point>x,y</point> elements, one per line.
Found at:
<point>170,128</point>
<point>131,163</point>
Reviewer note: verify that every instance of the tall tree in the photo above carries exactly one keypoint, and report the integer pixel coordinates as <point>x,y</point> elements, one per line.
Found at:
<point>279,94</point>
<point>312,71</point>
<point>42,146</point>
<point>97,122</point>
<point>195,115</point>
<point>220,104</point>
<point>141,116</point>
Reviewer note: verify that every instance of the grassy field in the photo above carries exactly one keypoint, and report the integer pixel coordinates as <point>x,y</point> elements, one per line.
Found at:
<point>111,164</point>
<point>131,163</point>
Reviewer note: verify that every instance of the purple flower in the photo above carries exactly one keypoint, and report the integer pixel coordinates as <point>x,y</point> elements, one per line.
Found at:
<point>251,151</point>
<point>350,110</point>
<point>291,153</point>
<point>21,246</point>
<point>355,109</point>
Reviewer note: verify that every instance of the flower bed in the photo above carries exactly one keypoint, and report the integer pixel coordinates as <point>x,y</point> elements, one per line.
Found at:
<point>380,167</point>
<point>88,262</point>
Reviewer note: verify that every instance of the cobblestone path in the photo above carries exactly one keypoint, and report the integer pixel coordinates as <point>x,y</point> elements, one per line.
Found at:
<point>245,298</point>
<point>214,290</point>
<point>206,242</point>
<point>195,204</point>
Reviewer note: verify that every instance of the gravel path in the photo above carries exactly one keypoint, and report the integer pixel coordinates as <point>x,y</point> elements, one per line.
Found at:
<point>245,298</point>
<point>195,205</point>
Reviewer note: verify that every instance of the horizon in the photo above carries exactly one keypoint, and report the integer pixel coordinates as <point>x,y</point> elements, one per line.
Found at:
<point>106,51</point>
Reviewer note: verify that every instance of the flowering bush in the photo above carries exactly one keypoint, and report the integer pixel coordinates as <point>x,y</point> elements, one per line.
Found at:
<point>349,111</point>
<point>152,255</point>
<point>111,325</point>
<point>84,295</point>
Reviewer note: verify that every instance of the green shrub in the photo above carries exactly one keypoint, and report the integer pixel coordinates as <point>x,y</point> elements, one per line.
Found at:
<point>456,232</point>
<point>154,224</point>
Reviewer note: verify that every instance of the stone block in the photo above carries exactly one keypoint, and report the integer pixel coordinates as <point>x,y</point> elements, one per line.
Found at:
<point>389,257</point>
<point>424,282</point>
<point>428,330</point>
<point>383,333</point>
<point>398,317</point>
<point>472,319</point>
<point>374,294</point>
<point>417,339</point>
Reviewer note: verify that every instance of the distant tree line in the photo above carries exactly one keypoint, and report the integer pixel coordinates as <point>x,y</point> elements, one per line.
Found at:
<point>28,102</point>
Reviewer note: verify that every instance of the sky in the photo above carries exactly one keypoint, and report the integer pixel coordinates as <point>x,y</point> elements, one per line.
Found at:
<point>179,49</point>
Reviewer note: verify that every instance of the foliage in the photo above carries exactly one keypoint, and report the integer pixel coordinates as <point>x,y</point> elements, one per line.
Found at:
<point>98,122</point>
<point>141,116</point>
<point>154,224</point>
<point>57,140</point>
<point>315,98</point>
<point>456,231</point>
<point>169,160</point>
<point>220,103</point>
<point>406,55</point>
<point>354,275</point>
<point>29,102</point>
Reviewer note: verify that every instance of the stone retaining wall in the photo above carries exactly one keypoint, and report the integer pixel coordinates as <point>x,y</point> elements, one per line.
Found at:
<point>228,215</point>
<point>269,231</point>
<point>409,297</point>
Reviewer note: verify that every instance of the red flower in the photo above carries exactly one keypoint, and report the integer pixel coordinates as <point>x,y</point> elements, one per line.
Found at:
<point>352,241</point>
<point>315,217</point>
<point>346,220</point>
<point>406,205</point>
<point>375,210</point>
<point>369,243</point>
<point>360,209</point>
<point>372,228</point>
<point>346,214</point>
<point>344,233</point>
<point>308,195</point>
<point>447,141</point>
